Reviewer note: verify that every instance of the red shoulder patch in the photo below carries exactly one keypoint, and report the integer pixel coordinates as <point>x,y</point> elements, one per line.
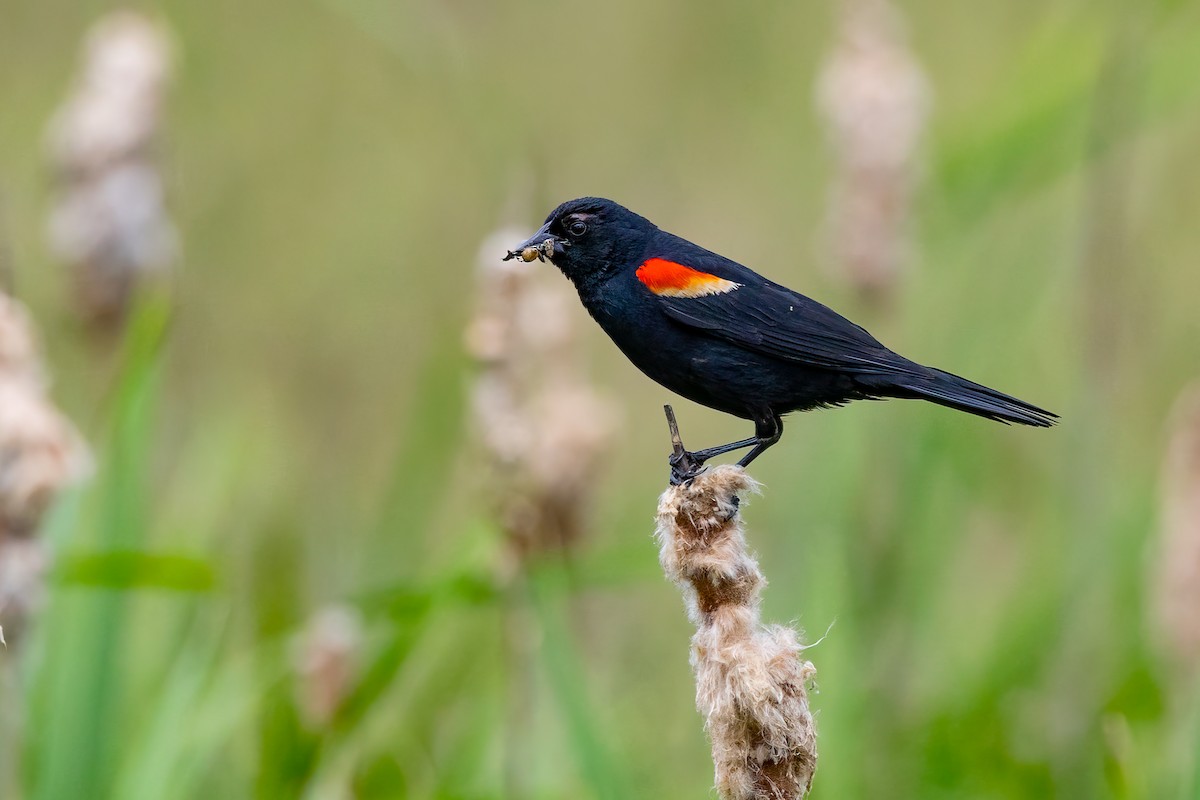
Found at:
<point>668,279</point>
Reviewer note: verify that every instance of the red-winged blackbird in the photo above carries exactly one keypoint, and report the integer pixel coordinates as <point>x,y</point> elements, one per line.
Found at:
<point>723,336</point>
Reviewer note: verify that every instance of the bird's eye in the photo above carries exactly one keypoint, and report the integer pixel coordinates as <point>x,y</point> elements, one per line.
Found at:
<point>577,227</point>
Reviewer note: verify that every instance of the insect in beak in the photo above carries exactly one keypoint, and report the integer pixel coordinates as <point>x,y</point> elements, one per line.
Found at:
<point>541,251</point>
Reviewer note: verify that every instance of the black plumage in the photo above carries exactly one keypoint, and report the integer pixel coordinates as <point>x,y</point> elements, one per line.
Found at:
<point>724,336</point>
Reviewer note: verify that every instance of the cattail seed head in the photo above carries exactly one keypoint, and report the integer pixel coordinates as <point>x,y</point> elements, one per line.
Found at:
<point>109,223</point>
<point>874,98</point>
<point>23,565</point>
<point>40,454</point>
<point>544,428</point>
<point>113,114</point>
<point>751,679</point>
<point>326,659</point>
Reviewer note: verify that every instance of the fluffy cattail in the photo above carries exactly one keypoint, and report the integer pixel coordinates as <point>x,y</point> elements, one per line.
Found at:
<point>543,427</point>
<point>750,679</point>
<point>109,223</point>
<point>23,564</point>
<point>40,453</point>
<point>1177,584</point>
<point>326,662</point>
<point>875,100</point>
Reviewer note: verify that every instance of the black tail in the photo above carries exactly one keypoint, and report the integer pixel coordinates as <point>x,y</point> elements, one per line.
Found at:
<point>955,392</point>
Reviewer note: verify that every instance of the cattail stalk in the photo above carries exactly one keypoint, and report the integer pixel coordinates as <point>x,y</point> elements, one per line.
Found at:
<point>751,678</point>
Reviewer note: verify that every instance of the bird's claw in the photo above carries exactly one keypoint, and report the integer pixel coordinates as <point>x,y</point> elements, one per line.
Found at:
<point>684,468</point>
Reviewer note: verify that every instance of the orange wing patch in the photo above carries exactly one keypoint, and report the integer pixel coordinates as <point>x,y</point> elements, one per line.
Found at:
<point>668,279</point>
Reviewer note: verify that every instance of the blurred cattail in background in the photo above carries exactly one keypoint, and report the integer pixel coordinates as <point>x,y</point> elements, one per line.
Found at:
<point>1176,580</point>
<point>40,453</point>
<point>326,658</point>
<point>544,432</point>
<point>875,99</point>
<point>543,427</point>
<point>751,679</point>
<point>110,223</point>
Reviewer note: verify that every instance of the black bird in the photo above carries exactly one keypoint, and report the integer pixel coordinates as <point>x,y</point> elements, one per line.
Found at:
<point>724,336</point>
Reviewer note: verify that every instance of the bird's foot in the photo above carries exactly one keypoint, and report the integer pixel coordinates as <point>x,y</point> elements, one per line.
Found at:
<point>684,467</point>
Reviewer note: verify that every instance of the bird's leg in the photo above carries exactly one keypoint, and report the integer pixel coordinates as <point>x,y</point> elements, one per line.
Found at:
<point>686,464</point>
<point>767,432</point>
<point>700,456</point>
<point>690,464</point>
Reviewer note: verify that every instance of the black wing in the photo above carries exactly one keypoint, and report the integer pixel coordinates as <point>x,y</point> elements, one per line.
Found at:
<point>773,320</point>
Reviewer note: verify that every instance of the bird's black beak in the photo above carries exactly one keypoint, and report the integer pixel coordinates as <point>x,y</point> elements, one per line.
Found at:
<point>541,245</point>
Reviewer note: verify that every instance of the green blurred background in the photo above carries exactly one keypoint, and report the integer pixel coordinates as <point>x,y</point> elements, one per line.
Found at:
<point>293,432</point>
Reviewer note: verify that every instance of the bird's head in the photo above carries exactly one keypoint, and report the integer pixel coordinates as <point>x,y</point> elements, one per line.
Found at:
<point>588,239</point>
